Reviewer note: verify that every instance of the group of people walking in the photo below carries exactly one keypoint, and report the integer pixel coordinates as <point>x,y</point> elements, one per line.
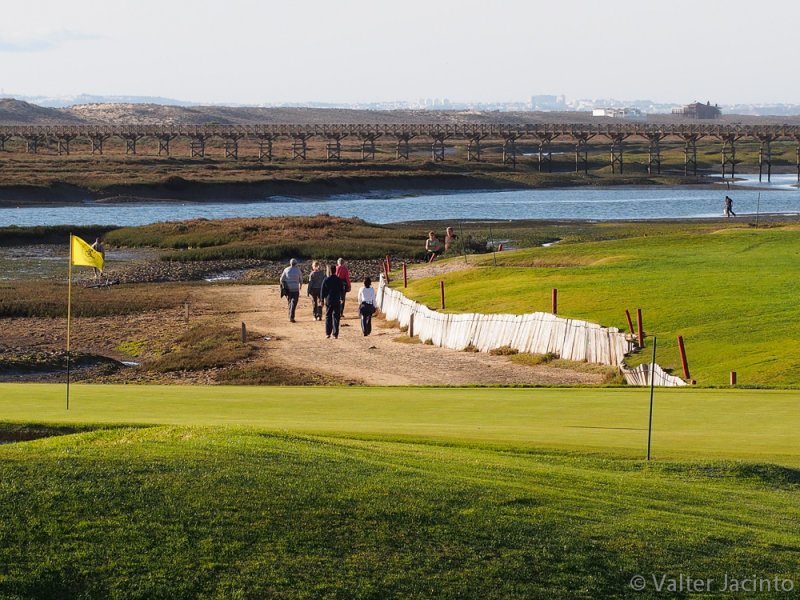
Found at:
<point>328,290</point>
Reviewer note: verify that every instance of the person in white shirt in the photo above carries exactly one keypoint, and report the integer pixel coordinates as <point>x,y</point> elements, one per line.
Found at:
<point>366,305</point>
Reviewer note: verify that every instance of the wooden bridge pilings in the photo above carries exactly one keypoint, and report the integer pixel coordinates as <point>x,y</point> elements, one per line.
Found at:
<point>474,136</point>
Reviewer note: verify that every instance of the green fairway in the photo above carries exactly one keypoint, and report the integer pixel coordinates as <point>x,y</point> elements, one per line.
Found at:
<point>732,294</point>
<point>184,512</point>
<point>750,425</point>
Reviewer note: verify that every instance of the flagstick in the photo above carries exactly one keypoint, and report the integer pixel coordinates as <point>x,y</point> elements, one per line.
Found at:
<point>69,311</point>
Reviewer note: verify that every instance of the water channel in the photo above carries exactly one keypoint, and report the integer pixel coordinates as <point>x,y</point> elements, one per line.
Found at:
<point>781,196</point>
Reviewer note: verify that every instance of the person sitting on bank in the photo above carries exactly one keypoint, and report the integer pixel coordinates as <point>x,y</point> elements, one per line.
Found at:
<point>432,247</point>
<point>449,238</point>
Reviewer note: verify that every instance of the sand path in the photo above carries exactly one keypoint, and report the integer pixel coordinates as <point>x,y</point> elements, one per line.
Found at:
<point>373,360</point>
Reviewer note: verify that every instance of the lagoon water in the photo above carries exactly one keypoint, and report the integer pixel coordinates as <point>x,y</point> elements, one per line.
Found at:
<point>656,202</point>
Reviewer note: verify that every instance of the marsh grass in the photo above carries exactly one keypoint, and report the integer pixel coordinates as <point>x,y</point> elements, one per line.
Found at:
<point>503,351</point>
<point>273,238</point>
<point>36,298</point>
<point>203,346</point>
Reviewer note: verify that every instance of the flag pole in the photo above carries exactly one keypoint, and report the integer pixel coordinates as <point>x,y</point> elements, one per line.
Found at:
<point>69,311</point>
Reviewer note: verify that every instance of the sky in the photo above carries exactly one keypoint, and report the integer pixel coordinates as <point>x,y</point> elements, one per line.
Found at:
<point>256,52</point>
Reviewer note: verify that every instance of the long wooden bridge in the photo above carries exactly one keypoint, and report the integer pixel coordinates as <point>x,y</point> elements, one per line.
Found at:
<point>476,136</point>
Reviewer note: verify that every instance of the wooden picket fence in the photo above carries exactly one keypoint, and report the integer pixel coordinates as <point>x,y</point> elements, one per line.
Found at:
<point>533,333</point>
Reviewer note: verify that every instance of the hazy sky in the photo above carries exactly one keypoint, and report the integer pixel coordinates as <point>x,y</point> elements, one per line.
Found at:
<point>253,52</point>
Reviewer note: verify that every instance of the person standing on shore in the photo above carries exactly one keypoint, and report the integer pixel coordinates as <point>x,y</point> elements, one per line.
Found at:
<point>98,245</point>
<point>366,305</point>
<point>332,296</point>
<point>292,282</point>
<point>315,288</point>
<point>343,273</point>
<point>729,207</point>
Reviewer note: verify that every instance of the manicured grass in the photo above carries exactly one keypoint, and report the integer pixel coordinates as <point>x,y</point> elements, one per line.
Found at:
<point>201,512</point>
<point>731,294</point>
<point>752,425</point>
<point>231,492</point>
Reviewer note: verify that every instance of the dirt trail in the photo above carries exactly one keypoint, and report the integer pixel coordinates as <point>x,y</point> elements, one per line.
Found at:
<point>373,360</point>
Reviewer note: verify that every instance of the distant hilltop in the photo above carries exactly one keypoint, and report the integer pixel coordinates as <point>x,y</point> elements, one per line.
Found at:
<point>19,112</point>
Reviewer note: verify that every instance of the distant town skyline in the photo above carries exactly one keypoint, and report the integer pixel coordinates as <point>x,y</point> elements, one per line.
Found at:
<point>247,52</point>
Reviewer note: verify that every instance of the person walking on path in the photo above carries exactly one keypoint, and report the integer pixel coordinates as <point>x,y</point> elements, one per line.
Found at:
<point>292,282</point>
<point>98,245</point>
<point>366,305</point>
<point>343,273</point>
<point>315,288</point>
<point>332,296</point>
<point>432,247</point>
<point>729,207</point>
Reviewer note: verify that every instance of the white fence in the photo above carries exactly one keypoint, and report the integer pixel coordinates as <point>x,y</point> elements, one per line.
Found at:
<point>641,376</point>
<point>534,333</point>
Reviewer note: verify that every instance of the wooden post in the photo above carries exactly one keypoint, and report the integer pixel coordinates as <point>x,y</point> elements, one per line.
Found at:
<point>186,311</point>
<point>554,301</point>
<point>244,333</point>
<point>411,325</point>
<point>630,323</point>
<point>405,276</point>
<point>500,248</point>
<point>683,358</point>
<point>441,290</point>
<point>389,262</point>
<point>639,325</point>
<point>386,271</point>
<point>733,377</point>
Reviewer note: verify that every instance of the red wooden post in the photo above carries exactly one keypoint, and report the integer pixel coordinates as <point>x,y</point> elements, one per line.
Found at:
<point>630,323</point>
<point>389,262</point>
<point>733,377</point>
<point>386,272</point>
<point>554,301</point>
<point>405,276</point>
<point>683,357</point>
<point>639,325</point>
<point>441,289</point>
<point>500,248</point>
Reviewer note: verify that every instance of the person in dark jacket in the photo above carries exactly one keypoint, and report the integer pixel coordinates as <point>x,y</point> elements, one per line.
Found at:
<point>332,296</point>
<point>314,288</point>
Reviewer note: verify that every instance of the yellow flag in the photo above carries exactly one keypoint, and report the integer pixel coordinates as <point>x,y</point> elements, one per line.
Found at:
<point>84,254</point>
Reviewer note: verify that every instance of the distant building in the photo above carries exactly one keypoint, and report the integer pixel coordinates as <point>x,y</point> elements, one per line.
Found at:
<point>619,112</point>
<point>698,110</point>
<point>546,102</point>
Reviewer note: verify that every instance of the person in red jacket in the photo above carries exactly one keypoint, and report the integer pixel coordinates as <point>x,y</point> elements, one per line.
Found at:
<point>343,273</point>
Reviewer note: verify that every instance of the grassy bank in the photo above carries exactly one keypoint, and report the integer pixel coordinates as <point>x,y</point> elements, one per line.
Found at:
<point>728,291</point>
<point>226,512</point>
